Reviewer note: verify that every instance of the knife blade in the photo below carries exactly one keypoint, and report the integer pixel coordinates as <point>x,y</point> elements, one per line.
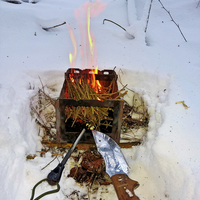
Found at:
<point>116,166</point>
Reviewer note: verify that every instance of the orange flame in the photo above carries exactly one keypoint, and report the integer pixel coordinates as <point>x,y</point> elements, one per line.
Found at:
<point>87,48</point>
<point>96,84</point>
<point>71,78</point>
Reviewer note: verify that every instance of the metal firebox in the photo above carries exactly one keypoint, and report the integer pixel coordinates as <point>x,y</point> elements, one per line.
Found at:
<point>69,135</point>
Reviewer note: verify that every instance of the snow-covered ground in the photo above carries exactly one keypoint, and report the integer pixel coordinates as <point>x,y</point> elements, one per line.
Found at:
<point>158,64</point>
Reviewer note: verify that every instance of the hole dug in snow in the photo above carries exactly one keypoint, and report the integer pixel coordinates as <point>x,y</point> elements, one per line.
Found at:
<point>145,92</point>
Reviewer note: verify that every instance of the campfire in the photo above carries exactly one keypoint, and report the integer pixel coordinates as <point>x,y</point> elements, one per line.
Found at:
<point>89,96</point>
<point>89,99</point>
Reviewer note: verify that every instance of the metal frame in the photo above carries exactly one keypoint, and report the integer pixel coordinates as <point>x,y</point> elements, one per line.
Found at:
<point>69,137</point>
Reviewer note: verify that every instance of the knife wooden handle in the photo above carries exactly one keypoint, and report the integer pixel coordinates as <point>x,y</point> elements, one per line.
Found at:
<point>124,187</point>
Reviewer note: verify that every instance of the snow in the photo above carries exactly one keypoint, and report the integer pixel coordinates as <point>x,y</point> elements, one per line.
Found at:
<point>158,64</point>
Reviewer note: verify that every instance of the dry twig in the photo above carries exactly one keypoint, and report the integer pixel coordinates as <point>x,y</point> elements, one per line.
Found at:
<point>132,37</point>
<point>114,23</point>
<point>43,108</point>
<point>49,163</point>
<point>46,29</point>
<point>48,97</point>
<point>172,19</point>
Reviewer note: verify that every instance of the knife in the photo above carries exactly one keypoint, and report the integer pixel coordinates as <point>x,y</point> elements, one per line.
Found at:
<point>116,166</point>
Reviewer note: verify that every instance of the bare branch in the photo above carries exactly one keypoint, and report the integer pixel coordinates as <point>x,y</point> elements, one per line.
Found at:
<point>148,16</point>
<point>172,20</point>
<point>131,36</point>
<point>114,23</point>
<point>46,29</point>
